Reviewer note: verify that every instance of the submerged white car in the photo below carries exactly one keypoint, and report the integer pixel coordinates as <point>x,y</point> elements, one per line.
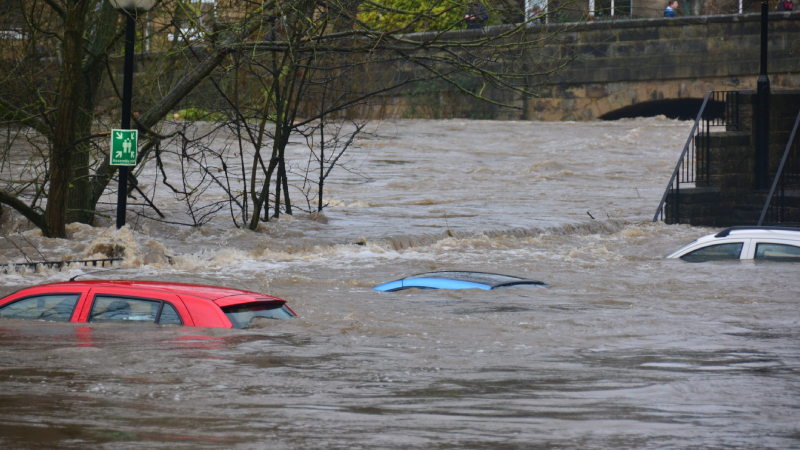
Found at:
<point>762,243</point>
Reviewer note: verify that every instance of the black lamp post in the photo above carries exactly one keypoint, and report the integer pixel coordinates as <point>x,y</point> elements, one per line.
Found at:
<point>130,9</point>
<point>762,108</point>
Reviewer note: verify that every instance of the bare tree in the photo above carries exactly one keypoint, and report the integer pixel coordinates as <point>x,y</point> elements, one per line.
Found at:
<point>327,141</point>
<point>268,71</point>
<point>51,81</point>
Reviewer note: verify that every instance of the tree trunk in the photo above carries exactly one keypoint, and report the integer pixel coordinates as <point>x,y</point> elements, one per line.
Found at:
<point>278,180</point>
<point>287,204</point>
<point>70,93</point>
<point>79,202</point>
<point>321,161</point>
<point>263,198</point>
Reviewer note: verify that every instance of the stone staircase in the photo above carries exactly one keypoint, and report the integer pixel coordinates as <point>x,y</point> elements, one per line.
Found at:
<point>722,194</point>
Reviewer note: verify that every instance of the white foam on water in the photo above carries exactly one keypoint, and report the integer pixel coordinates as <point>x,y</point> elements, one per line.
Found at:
<point>625,347</point>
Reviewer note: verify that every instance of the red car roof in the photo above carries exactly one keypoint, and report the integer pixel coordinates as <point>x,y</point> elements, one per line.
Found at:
<point>198,290</point>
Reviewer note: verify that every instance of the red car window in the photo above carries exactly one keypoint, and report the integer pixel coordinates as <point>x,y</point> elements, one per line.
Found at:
<point>169,315</point>
<point>123,309</point>
<point>52,307</point>
<point>134,305</point>
<point>243,315</point>
<point>126,309</point>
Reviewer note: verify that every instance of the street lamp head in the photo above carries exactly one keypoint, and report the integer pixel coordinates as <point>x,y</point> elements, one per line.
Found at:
<point>133,6</point>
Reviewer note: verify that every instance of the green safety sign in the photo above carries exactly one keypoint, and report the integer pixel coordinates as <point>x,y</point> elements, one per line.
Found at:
<point>124,147</point>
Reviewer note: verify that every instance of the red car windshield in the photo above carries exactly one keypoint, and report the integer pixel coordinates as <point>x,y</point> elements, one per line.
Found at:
<point>243,315</point>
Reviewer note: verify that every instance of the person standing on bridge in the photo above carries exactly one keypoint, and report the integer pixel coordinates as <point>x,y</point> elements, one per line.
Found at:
<point>476,16</point>
<point>785,5</point>
<point>671,7</point>
<point>535,16</point>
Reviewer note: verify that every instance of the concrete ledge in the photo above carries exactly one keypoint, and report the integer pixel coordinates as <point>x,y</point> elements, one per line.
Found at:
<point>695,195</point>
<point>725,139</point>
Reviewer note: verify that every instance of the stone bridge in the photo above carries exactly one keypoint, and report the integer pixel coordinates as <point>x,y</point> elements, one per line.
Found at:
<point>643,67</point>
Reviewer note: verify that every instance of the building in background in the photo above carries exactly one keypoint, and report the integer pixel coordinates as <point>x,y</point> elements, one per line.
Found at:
<point>572,11</point>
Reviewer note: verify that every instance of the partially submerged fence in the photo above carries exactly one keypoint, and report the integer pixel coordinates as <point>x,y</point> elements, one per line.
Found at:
<point>107,262</point>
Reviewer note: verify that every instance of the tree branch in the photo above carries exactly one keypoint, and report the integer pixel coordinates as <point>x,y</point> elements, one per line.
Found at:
<point>200,72</point>
<point>28,212</point>
<point>56,8</point>
<point>8,110</point>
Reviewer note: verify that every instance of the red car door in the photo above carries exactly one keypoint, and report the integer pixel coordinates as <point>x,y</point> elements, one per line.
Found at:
<point>125,304</point>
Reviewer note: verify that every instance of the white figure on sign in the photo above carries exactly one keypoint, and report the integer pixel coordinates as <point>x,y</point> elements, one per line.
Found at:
<point>126,146</point>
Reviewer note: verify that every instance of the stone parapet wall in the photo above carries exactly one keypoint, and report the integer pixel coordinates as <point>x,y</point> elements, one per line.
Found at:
<point>637,61</point>
<point>616,65</point>
<point>619,64</point>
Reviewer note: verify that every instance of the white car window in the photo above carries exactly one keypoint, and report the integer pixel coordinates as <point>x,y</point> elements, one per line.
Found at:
<point>777,252</point>
<point>718,252</point>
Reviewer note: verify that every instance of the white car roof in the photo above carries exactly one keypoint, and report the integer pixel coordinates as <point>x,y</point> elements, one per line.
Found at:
<point>758,233</point>
<point>780,233</point>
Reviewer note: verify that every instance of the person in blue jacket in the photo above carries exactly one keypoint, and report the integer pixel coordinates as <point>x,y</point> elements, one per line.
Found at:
<point>671,7</point>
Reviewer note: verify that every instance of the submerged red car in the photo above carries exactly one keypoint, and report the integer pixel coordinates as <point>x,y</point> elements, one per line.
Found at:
<point>143,302</point>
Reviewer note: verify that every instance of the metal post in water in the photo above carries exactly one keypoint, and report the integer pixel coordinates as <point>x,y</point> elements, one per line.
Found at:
<point>762,108</point>
<point>127,92</point>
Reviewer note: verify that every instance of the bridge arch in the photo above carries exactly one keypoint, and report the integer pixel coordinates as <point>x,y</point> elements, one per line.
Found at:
<point>672,108</point>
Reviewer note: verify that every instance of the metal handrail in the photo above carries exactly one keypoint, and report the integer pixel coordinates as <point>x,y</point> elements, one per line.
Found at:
<point>686,147</point>
<point>694,163</point>
<point>780,171</point>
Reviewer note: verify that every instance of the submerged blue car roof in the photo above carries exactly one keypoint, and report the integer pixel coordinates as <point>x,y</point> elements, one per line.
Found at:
<point>456,280</point>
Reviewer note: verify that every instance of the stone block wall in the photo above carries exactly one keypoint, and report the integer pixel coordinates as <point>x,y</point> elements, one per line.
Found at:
<point>695,206</point>
<point>730,161</point>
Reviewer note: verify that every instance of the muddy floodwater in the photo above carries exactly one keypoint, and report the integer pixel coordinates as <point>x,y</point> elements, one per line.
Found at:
<point>626,350</point>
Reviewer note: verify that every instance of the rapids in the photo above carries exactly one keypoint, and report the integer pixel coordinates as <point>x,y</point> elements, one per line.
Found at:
<point>626,350</point>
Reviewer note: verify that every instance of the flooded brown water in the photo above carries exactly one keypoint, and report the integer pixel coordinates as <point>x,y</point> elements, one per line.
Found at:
<point>626,350</point>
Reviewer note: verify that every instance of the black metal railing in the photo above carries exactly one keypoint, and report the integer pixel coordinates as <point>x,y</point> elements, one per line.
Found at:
<point>719,108</point>
<point>5,268</point>
<point>782,205</point>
